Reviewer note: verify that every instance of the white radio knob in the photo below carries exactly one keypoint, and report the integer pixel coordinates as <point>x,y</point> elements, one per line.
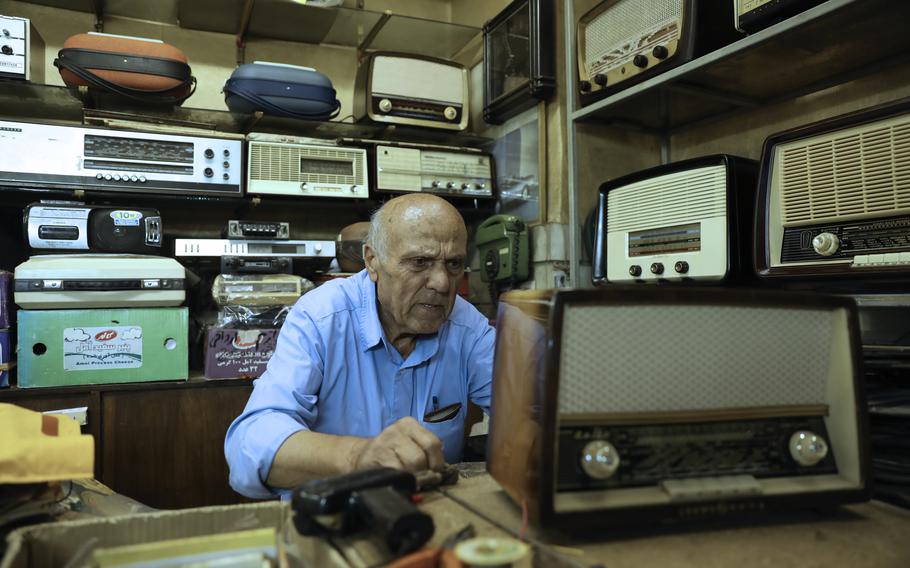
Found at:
<point>304,186</point>
<point>353,189</point>
<point>807,448</point>
<point>450,113</point>
<point>826,244</point>
<point>385,105</point>
<point>599,459</point>
<point>318,249</point>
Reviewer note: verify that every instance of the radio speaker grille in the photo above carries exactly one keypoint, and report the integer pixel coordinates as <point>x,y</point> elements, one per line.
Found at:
<point>625,20</point>
<point>852,173</point>
<point>689,357</point>
<point>269,162</point>
<point>668,200</point>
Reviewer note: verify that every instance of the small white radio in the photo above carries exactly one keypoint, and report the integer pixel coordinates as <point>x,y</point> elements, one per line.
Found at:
<point>460,173</point>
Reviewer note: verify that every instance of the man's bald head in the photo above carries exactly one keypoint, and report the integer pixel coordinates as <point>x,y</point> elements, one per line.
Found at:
<point>405,216</point>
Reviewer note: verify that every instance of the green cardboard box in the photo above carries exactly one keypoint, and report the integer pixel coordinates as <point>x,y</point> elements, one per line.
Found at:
<point>86,347</point>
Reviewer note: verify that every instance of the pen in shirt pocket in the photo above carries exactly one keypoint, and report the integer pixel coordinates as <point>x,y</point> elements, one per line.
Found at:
<point>441,414</point>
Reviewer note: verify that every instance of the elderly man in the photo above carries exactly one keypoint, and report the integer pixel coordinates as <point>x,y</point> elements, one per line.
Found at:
<point>375,369</point>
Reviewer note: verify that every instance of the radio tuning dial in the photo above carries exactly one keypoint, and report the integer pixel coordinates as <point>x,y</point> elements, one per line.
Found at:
<point>600,79</point>
<point>660,51</point>
<point>657,268</point>
<point>208,172</point>
<point>599,459</point>
<point>450,113</point>
<point>385,105</point>
<point>640,61</point>
<point>635,270</point>
<point>807,448</point>
<point>826,244</point>
<point>681,266</point>
<point>209,153</point>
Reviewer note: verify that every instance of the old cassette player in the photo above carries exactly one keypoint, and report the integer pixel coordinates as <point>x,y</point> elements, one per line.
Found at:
<point>456,172</point>
<point>834,199</point>
<point>287,165</point>
<point>263,256</point>
<point>400,88</point>
<point>753,401</point>
<point>258,289</point>
<point>67,226</point>
<point>754,15</point>
<point>623,42</point>
<point>21,50</point>
<point>98,281</point>
<point>690,220</point>
<point>258,229</point>
<point>75,157</point>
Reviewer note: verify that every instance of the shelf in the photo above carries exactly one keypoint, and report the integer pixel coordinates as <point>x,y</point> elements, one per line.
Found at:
<point>29,101</point>
<point>830,44</point>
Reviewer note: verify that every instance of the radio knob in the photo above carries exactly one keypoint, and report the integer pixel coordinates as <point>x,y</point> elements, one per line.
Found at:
<point>599,459</point>
<point>600,79</point>
<point>450,113</point>
<point>226,176</point>
<point>209,153</point>
<point>227,153</point>
<point>108,177</point>
<point>435,183</point>
<point>385,105</point>
<point>681,266</point>
<point>450,185</point>
<point>141,179</point>
<point>116,177</point>
<point>99,176</point>
<point>807,448</point>
<point>465,186</point>
<point>584,86</point>
<point>318,249</point>
<point>660,51</point>
<point>226,164</point>
<point>304,186</point>
<point>208,172</point>
<point>6,32</point>
<point>353,189</point>
<point>640,61</point>
<point>7,50</point>
<point>635,270</point>
<point>134,179</point>
<point>826,244</point>
<point>480,185</point>
<point>657,268</point>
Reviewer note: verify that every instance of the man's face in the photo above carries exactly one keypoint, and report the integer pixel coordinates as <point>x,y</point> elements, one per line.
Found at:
<point>416,282</point>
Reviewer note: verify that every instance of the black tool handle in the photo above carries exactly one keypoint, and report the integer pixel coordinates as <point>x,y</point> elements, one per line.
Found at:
<point>391,514</point>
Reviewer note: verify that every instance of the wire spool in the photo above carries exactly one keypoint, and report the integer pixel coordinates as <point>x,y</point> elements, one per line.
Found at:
<point>493,552</point>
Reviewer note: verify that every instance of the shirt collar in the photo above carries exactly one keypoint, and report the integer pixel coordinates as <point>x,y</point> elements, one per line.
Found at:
<point>371,333</point>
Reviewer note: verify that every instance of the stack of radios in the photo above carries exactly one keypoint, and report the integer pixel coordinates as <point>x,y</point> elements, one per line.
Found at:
<point>106,310</point>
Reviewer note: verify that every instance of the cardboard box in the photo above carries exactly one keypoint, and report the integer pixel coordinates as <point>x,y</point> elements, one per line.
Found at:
<point>234,353</point>
<point>84,347</point>
<point>58,544</point>
<point>7,309</point>
<point>6,356</point>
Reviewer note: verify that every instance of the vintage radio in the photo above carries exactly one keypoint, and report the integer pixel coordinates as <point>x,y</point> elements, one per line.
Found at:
<point>237,256</point>
<point>98,281</point>
<point>691,220</point>
<point>399,88</point>
<point>834,199</point>
<point>258,229</point>
<point>258,289</point>
<point>74,157</point>
<point>754,15</point>
<point>646,403</point>
<point>66,226</point>
<point>21,50</point>
<point>287,165</point>
<point>404,168</point>
<point>623,42</point>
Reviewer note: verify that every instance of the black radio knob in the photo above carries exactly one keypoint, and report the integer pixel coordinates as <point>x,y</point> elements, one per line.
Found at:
<point>640,61</point>
<point>681,266</point>
<point>600,79</point>
<point>208,172</point>
<point>635,270</point>
<point>660,51</point>
<point>657,268</point>
<point>7,50</point>
<point>584,86</point>
<point>209,153</point>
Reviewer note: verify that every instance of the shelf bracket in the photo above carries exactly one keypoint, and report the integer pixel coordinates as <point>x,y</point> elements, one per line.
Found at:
<point>98,6</point>
<point>242,28</point>
<point>371,36</point>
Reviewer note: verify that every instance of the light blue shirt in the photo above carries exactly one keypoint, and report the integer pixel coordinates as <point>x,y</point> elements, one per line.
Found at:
<point>335,372</point>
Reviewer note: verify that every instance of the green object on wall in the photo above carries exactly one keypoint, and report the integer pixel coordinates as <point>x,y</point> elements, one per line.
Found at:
<point>86,347</point>
<point>504,252</point>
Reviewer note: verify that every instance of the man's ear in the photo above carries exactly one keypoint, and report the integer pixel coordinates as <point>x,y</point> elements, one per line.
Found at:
<point>371,262</point>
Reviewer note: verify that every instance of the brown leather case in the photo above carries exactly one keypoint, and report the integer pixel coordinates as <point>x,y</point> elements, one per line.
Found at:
<point>142,69</point>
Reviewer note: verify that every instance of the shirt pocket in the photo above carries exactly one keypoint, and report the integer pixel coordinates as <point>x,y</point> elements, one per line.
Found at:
<point>451,433</point>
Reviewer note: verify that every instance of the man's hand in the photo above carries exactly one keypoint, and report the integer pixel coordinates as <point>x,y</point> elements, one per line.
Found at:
<point>403,445</point>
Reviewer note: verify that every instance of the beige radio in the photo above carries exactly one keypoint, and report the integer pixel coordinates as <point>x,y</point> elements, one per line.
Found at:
<point>408,168</point>
<point>287,165</point>
<point>412,89</point>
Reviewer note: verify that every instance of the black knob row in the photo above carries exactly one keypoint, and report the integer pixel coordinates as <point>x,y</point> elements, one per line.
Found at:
<point>657,268</point>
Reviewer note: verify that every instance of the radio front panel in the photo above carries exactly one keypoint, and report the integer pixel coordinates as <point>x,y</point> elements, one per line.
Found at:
<point>73,157</point>
<point>754,15</point>
<point>838,201</point>
<point>461,174</point>
<point>316,170</point>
